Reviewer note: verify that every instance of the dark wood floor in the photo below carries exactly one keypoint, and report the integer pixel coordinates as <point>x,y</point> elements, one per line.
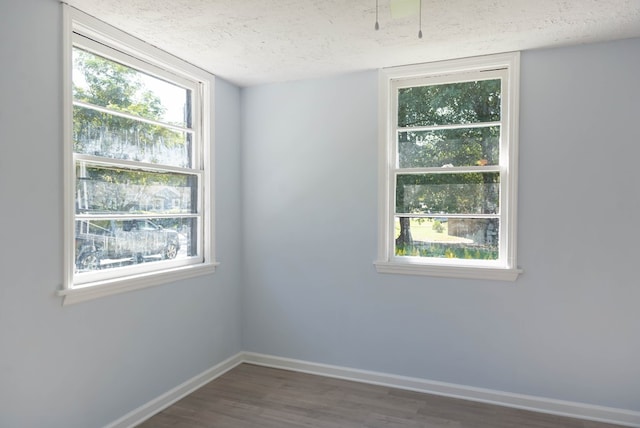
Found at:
<point>250,396</point>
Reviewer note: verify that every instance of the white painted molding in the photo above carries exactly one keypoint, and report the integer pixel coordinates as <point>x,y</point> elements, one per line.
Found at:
<point>501,398</point>
<point>144,412</point>
<point>466,272</point>
<point>135,282</point>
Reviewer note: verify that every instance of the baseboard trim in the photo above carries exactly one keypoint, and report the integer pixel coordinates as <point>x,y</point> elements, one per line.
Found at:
<point>144,412</point>
<point>507,399</point>
<point>527,402</point>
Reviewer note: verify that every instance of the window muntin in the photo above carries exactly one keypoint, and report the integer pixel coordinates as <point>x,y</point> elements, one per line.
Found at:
<point>139,189</point>
<point>448,161</point>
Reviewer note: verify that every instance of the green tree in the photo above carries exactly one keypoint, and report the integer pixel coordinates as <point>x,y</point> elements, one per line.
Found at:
<point>447,104</point>
<point>113,86</point>
<point>116,87</point>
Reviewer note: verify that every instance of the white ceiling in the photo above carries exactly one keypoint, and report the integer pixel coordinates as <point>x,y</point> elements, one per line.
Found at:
<point>251,42</point>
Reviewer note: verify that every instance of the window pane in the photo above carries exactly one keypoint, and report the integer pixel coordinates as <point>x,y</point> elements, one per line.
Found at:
<point>442,237</point>
<point>107,244</point>
<point>109,136</point>
<point>467,193</point>
<point>106,83</point>
<point>448,104</point>
<point>449,147</point>
<point>105,189</point>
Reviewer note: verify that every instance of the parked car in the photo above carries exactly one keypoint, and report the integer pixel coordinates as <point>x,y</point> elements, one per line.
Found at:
<point>136,240</point>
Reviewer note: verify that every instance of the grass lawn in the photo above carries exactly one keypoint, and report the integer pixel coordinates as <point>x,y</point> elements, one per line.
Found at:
<point>422,230</point>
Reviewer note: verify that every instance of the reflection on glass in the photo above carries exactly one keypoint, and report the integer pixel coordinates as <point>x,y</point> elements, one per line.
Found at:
<point>103,189</point>
<point>107,244</point>
<point>448,104</point>
<point>105,135</point>
<point>449,147</point>
<point>466,193</point>
<point>444,237</point>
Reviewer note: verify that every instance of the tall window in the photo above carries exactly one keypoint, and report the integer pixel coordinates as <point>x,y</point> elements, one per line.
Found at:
<point>138,163</point>
<point>448,168</point>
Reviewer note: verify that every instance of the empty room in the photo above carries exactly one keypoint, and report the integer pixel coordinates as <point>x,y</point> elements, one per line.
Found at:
<point>319,213</point>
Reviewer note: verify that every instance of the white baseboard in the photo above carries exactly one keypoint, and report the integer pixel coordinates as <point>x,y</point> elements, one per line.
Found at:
<point>501,398</point>
<point>507,399</point>
<point>144,412</point>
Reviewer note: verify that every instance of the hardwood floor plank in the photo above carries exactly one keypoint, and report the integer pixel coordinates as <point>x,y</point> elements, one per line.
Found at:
<point>251,396</point>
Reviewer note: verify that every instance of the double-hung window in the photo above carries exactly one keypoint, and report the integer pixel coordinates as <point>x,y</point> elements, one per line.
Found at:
<point>448,134</point>
<point>138,158</point>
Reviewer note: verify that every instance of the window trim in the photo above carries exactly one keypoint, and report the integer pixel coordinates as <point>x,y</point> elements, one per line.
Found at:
<point>75,21</point>
<point>506,268</point>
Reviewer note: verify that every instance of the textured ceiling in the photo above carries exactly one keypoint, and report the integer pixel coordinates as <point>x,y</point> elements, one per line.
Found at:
<point>251,42</point>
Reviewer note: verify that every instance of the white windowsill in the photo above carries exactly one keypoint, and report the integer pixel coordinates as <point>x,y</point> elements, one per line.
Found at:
<point>466,272</point>
<point>96,290</point>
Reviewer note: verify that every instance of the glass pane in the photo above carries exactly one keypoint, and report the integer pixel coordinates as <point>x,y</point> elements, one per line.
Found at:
<point>102,134</point>
<point>106,83</point>
<point>467,193</point>
<point>449,147</point>
<point>103,189</point>
<point>442,237</point>
<point>106,244</point>
<point>452,103</point>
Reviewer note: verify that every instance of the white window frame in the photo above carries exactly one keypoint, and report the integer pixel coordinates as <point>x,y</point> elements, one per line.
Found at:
<point>507,67</point>
<point>87,32</point>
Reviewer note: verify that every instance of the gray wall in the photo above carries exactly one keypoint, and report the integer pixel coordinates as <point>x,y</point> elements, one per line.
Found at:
<point>569,328</point>
<point>89,364</point>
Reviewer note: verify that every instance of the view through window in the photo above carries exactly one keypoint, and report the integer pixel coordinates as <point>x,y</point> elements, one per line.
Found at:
<point>138,166</point>
<point>448,177</point>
